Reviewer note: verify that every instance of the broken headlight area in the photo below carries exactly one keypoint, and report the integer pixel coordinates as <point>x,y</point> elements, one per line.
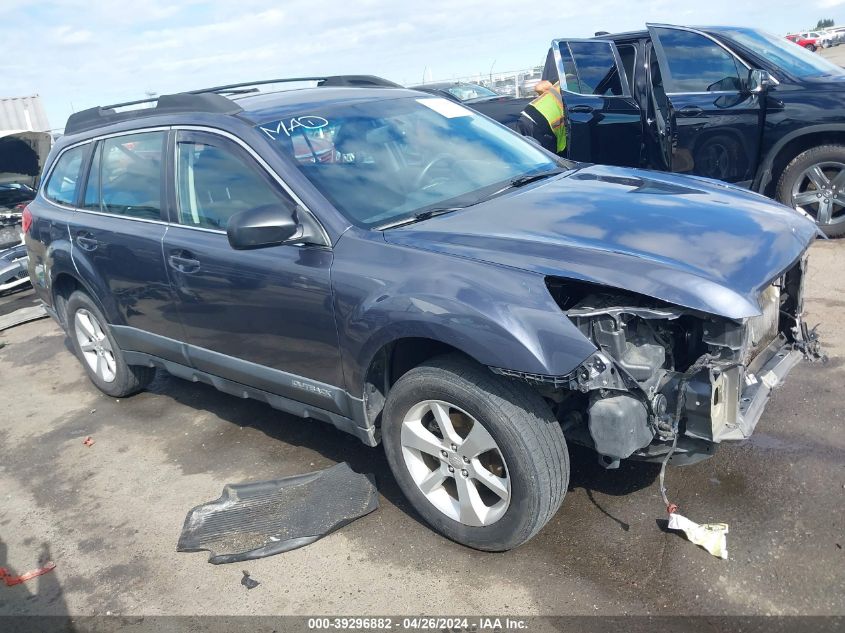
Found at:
<point>670,378</point>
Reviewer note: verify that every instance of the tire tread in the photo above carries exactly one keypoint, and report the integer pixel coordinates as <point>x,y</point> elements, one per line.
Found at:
<point>540,432</point>
<point>783,189</point>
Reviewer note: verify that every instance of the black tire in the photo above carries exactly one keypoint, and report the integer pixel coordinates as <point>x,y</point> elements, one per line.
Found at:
<point>522,425</point>
<point>797,166</point>
<point>720,157</point>
<point>810,48</point>
<point>128,379</point>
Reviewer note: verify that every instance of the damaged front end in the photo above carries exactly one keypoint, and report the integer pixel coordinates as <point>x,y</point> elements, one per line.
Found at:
<point>667,379</point>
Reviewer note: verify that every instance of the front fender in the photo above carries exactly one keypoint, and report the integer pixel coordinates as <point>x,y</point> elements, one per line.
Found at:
<point>499,316</point>
<point>764,171</point>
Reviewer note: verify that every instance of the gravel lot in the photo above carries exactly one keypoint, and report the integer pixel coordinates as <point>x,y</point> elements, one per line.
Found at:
<point>110,515</point>
<point>835,54</point>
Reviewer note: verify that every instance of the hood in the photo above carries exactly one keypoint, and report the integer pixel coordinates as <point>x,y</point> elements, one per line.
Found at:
<point>22,155</point>
<point>692,242</point>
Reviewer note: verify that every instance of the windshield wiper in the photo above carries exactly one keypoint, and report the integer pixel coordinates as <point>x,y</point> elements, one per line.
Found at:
<point>419,217</point>
<point>529,178</point>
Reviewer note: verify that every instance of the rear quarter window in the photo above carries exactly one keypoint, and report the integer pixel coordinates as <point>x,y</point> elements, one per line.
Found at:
<point>64,179</point>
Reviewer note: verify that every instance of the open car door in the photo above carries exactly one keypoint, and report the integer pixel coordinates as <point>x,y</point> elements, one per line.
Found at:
<point>705,117</point>
<point>603,122</point>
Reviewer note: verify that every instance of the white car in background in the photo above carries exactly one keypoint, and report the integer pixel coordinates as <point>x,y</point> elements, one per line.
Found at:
<point>836,35</point>
<point>826,39</point>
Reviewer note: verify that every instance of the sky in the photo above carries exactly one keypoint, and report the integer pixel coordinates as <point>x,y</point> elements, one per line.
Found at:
<point>82,53</point>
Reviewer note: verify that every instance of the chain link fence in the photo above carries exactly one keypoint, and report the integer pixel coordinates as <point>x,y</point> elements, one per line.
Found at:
<point>513,83</point>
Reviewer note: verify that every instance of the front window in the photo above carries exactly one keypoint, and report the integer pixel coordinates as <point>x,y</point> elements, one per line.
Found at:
<point>379,162</point>
<point>782,53</point>
<point>214,183</point>
<point>696,63</point>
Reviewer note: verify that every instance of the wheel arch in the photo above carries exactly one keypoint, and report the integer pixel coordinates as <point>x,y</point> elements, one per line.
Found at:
<point>64,284</point>
<point>790,146</point>
<point>395,357</point>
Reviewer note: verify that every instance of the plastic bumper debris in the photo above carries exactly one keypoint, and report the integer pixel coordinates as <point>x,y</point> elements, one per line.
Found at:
<point>710,536</point>
<point>268,517</point>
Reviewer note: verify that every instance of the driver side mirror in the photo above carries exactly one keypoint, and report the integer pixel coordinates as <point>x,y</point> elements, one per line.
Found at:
<point>267,225</point>
<point>759,81</point>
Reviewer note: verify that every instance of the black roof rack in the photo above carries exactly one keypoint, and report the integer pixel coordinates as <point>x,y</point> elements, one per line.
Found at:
<point>205,100</point>
<point>334,81</point>
<point>165,104</point>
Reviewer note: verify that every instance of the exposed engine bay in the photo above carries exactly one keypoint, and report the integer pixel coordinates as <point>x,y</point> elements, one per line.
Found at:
<point>667,378</point>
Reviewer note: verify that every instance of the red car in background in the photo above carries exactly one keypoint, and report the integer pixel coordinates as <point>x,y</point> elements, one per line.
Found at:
<point>809,40</point>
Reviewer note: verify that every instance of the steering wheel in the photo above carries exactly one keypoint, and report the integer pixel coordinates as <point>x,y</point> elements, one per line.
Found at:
<point>423,175</point>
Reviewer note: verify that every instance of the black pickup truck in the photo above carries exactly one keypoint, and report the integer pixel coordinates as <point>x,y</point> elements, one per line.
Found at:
<point>735,104</point>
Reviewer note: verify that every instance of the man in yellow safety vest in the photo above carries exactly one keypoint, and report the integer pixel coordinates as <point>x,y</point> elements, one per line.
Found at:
<point>543,118</point>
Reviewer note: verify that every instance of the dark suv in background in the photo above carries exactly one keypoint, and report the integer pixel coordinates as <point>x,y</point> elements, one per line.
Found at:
<point>731,103</point>
<point>401,267</point>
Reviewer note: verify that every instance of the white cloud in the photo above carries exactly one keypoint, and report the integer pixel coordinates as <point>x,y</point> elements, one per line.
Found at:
<point>69,35</point>
<point>93,53</point>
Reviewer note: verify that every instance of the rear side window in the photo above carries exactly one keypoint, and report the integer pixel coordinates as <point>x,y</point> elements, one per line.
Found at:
<point>125,176</point>
<point>594,71</point>
<point>213,184</point>
<point>64,178</point>
<point>697,64</point>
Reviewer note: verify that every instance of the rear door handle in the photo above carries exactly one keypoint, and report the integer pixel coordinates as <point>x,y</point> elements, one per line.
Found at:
<point>183,262</point>
<point>86,242</point>
<point>582,109</point>
<point>690,110</point>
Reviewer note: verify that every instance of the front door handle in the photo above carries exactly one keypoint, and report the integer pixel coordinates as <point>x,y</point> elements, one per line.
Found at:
<point>86,242</point>
<point>183,262</point>
<point>690,111</point>
<point>582,109</point>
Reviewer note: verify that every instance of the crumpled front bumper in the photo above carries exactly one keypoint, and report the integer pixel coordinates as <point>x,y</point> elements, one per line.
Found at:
<point>729,405</point>
<point>775,363</point>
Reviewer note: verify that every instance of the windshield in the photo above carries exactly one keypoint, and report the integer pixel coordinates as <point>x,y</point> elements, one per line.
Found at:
<point>13,193</point>
<point>794,59</point>
<point>466,92</point>
<point>381,161</point>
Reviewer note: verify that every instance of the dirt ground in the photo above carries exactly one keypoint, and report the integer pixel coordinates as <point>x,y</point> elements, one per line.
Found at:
<point>835,54</point>
<point>109,515</point>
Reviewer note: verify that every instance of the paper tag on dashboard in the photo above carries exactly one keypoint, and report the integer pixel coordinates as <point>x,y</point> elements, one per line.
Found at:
<point>447,108</point>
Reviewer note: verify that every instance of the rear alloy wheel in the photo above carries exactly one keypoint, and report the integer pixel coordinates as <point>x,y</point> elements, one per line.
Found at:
<point>99,352</point>
<point>481,457</point>
<point>814,182</point>
<point>96,349</point>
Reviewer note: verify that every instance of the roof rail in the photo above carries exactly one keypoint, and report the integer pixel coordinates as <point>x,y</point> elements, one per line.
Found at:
<point>205,100</point>
<point>334,81</point>
<point>165,104</point>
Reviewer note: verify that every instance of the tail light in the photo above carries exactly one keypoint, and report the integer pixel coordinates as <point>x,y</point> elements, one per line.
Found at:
<point>26,220</point>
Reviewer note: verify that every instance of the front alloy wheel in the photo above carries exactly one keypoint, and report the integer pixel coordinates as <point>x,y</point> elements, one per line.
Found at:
<point>455,463</point>
<point>480,457</point>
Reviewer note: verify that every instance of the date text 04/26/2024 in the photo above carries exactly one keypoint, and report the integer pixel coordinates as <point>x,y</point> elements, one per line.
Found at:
<point>419,623</point>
